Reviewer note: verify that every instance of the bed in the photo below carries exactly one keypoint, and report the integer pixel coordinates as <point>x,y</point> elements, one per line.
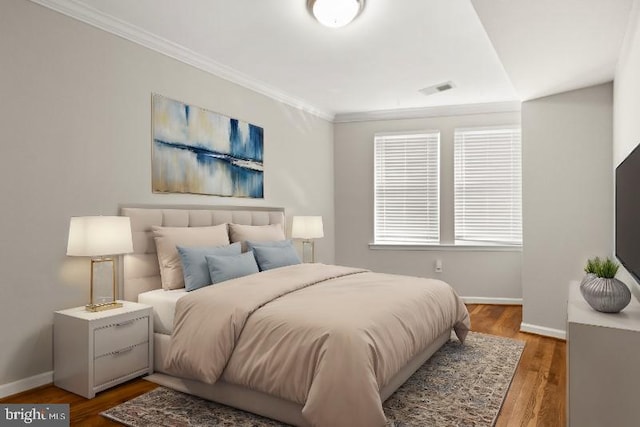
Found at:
<point>335,377</point>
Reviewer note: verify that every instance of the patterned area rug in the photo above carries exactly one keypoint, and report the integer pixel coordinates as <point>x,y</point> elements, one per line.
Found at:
<point>461,385</point>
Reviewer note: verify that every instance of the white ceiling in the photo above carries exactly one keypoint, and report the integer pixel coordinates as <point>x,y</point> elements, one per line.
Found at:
<point>392,50</point>
<point>551,46</point>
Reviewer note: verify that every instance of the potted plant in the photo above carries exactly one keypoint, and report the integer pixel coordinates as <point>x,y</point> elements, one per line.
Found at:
<point>590,270</point>
<point>601,289</point>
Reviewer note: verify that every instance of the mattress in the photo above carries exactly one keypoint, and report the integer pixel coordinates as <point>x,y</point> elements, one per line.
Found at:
<point>164,307</point>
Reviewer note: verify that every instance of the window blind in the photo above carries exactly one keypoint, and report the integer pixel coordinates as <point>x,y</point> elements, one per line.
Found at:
<point>407,188</point>
<point>488,185</point>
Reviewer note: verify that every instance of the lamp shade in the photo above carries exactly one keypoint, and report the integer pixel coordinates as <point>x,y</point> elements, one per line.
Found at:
<point>307,227</point>
<point>336,13</point>
<point>99,236</point>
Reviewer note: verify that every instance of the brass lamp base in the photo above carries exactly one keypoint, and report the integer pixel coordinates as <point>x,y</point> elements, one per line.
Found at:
<point>110,300</point>
<point>103,306</point>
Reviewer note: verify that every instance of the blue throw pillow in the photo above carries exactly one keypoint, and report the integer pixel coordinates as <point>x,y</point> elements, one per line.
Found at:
<point>269,257</point>
<point>268,244</point>
<point>194,264</point>
<point>227,267</point>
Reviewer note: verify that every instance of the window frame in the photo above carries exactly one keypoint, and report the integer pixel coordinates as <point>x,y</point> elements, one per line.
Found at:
<point>486,242</point>
<point>429,133</point>
<point>446,148</point>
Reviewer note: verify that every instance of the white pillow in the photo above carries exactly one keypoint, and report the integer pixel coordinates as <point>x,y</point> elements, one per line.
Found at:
<point>255,233</point>
<point>168,238</point>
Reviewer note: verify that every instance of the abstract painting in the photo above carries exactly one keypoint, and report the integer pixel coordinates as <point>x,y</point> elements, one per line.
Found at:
<point>202,152</point>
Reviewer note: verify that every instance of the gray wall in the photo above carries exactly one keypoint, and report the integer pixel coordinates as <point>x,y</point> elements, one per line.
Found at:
<point>567,193</point>
<point>471,273</point>
<point>75,125</point>
<point>626,108</point>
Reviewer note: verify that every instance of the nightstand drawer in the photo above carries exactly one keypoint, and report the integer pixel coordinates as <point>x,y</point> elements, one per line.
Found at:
<point>118,364</point>
<point>120,335</point>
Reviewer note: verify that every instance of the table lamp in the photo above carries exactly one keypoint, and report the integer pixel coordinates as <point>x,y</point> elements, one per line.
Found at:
<point>100,237</point>
<point>307,228</point>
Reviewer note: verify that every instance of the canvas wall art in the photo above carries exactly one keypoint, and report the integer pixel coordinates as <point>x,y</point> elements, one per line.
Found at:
<point>202,152</point>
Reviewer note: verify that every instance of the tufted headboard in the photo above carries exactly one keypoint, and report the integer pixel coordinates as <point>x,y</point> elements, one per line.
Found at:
<point>141,271</point>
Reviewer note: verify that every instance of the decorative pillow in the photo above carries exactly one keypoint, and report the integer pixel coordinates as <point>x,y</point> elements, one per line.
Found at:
<point>168,238</point>
<point>194,264</point>
<point>255,233</point>
<point>269,257</point>
<point>272,244</point>
<point>227,267</point>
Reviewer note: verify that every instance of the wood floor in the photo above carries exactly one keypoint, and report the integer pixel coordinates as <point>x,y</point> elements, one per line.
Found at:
<point>536,398</point>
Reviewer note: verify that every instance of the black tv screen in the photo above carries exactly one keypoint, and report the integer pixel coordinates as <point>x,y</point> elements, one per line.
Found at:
<point>628,213</point>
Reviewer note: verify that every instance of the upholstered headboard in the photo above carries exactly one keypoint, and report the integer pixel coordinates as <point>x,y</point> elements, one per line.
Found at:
<point>141,271</point>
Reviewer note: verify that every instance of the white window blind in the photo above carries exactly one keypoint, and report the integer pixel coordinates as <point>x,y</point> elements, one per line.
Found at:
<point>407,188</point>
<point>488,185</point>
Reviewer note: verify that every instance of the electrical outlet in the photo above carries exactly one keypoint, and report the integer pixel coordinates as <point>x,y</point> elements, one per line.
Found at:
<point>437,267</point>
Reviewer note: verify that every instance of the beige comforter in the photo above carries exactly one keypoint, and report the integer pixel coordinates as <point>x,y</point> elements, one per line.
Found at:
<point>326,337</point>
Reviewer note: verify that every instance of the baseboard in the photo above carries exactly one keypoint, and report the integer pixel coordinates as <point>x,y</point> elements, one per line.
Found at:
<point>488,300</point>
<point>26,384</point>
<point>543,330</point>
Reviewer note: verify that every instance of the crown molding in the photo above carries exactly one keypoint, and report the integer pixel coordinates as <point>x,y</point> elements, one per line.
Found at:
<point>127,31</point>
<point>96,18</point>
<point>437,111</point>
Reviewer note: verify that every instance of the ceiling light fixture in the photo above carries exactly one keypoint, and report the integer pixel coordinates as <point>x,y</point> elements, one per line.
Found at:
<point>335,13</point>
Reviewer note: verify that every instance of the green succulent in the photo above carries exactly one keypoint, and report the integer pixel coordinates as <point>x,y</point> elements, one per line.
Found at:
<point>602,268</point>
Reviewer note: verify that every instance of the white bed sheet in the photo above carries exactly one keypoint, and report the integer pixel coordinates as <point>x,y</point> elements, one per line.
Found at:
<point>164,307</point>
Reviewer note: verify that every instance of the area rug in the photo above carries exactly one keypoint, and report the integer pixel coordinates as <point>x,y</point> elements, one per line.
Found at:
<point>461,385</point>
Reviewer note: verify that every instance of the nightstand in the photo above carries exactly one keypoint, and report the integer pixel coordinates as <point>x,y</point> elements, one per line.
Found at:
<point>93,351</point>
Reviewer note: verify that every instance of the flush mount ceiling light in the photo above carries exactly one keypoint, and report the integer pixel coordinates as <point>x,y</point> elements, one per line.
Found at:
<point>335,13</point>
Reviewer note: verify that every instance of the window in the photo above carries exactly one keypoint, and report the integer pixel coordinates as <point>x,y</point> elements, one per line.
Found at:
<point>488,186</point>
<point>407,188</point>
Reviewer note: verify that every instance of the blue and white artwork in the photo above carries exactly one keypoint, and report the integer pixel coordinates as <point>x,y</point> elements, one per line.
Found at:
<point>202,152</point>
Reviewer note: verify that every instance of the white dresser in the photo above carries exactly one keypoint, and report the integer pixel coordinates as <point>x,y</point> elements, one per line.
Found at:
<point>95,351</point>
<point>603,364</point>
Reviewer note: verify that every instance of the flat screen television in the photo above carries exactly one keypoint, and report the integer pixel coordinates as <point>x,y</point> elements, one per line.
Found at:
<point>628,213</point>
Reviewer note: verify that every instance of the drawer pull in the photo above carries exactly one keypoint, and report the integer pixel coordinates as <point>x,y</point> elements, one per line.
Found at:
<point>123,351</point>
<point>128,322</point>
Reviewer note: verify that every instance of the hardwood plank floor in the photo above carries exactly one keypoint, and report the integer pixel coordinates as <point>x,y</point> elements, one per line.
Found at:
<point>537,396</point>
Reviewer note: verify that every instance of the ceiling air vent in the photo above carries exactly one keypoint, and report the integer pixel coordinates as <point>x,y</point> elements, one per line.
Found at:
<point>440,87</point>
